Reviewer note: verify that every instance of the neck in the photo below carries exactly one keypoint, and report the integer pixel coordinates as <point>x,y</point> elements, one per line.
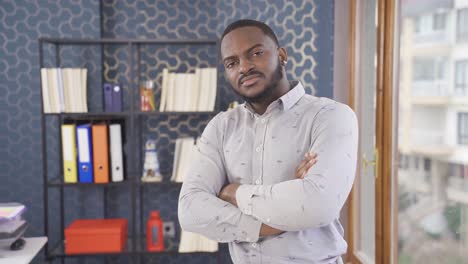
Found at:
<point>282,89</point>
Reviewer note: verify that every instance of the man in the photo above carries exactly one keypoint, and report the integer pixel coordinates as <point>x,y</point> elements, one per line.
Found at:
<point>254,182</point>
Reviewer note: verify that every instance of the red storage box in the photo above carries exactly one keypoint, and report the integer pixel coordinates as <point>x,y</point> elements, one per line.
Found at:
<point>96,236</point>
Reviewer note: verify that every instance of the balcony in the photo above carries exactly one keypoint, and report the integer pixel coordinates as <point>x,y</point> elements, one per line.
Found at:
<point>429,143</point>
<point>427,137</point>
<point>431,38</point>
<point>414,180</point>
<point>457,189</point>
<point>430,88</point>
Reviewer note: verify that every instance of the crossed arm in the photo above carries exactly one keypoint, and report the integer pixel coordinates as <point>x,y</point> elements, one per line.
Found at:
<point>309,201</point>
<point>228,193</point>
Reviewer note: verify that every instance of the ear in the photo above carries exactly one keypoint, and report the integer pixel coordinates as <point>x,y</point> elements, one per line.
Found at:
<point>283,55</point>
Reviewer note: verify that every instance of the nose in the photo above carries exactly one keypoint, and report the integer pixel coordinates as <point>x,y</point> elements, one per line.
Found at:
<point>245,66</point>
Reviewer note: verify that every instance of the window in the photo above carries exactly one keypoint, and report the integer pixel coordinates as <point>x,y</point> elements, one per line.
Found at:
<point>462,24</point>
<point>427,24</point>
<point>438,21</point>
<point>463,128</point>
<point>404,161</point>
<point>428,69</point>
<point>461,77</point>
<point>417,25</point>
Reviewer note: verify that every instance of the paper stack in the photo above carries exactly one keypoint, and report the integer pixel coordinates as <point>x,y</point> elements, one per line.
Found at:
<point>191,242</point>
<point>64,90</point>
<point>182,158</point>
<point>11,225</point>
<point>189,92</point>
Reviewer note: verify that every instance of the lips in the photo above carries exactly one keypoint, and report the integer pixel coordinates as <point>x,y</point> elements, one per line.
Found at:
<point>250,79</point>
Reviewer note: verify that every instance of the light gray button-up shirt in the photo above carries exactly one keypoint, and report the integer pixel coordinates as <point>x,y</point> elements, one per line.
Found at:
<point>261,152</point>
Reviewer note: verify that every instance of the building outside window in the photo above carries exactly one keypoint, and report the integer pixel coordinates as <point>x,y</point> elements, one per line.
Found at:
<point>438,21</point>
<point>429,69</point>
<point>461,77</point>
<point>463,128</point>
<point>462,24</point>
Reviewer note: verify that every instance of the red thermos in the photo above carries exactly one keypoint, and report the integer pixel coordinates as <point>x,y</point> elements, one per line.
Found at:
<point>154,233</point>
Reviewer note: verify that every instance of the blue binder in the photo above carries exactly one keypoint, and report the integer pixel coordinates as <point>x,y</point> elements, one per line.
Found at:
<point>85,153</point>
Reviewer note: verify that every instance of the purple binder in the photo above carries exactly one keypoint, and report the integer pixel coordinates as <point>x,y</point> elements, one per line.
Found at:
<point>107,90</point>
<point>117,98</point>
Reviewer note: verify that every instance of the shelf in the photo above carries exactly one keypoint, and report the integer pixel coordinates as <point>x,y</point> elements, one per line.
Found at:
<point>56,182</point>
<point>141,249</point>
<point>108,115</point>
<point>73,41</point>
<point>164,183</point>
<point>133,120</point>
<point>90,115</point>
<point>59,251</point>
<point>156,113</point>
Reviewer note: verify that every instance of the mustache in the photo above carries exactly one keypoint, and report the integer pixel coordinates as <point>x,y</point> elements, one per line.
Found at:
<point>250,73</point>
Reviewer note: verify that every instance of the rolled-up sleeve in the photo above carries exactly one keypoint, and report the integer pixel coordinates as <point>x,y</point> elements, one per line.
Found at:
<point>317,199</point>
<point>200,210</point>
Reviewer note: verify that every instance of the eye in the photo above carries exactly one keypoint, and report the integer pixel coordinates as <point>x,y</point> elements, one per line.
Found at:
<point>258,53</point>
<point>229,65</point>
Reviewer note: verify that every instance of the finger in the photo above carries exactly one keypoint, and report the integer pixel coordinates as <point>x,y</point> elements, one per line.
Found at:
<point>304,169</point>
<point>307,157</point>
<point>302,164</point>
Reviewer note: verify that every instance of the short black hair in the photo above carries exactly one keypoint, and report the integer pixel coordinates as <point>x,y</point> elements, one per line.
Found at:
<point>251,23</point>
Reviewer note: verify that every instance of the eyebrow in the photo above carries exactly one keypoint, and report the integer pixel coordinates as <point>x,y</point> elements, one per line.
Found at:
<point>247,51</point>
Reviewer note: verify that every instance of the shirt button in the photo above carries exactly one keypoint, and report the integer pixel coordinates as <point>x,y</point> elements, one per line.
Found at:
<point>257,181</point>
<point>263,121</point>
<point>254,245</point>
<point>258,149</point>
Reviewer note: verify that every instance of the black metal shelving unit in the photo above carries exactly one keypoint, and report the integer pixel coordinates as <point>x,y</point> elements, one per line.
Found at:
<point>133,118</point>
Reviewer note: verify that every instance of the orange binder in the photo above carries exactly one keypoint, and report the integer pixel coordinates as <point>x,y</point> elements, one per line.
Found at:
<point>100,153</point>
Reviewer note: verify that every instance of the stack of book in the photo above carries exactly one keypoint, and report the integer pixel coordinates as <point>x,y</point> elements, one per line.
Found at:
<point>100,153</point>
<point>184,148</point>
<point>191,242</point>
<point>12,226</point>
<point>64,90</point>
<point>189,92</point>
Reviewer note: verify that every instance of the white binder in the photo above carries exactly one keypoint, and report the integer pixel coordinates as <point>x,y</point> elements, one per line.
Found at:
<point>116,153</point>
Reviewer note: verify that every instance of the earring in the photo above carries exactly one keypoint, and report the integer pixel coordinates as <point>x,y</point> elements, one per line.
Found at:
<point>285,62</point>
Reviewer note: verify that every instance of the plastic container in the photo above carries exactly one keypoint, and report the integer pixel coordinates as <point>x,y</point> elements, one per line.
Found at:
<point>154,233</point>
<point>147,96</point>
<point>96,236</point>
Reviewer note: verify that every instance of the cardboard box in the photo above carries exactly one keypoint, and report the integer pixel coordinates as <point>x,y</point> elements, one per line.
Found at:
<point>96,236</point>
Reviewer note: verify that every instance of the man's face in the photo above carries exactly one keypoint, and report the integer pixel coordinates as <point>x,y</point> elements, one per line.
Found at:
<point>251,62</point>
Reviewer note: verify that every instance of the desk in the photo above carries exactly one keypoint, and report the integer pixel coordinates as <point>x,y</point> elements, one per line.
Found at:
<point>23,256</point>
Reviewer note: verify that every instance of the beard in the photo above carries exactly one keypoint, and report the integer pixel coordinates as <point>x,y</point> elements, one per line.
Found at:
<point>269,87</point>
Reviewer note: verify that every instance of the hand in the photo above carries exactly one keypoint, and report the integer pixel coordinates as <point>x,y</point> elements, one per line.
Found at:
<point>228,193</point>
<point>309,160</point>
<point>267,230</point>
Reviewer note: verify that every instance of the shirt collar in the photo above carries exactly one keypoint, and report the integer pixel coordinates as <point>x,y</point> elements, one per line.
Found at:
<point>288,99</point>
<point>291,97</point>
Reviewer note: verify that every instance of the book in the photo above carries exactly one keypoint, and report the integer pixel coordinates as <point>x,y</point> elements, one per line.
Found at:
<point>10,211</point>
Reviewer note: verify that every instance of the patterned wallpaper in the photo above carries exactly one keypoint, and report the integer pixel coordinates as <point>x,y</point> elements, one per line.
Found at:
<point>305,28</point>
